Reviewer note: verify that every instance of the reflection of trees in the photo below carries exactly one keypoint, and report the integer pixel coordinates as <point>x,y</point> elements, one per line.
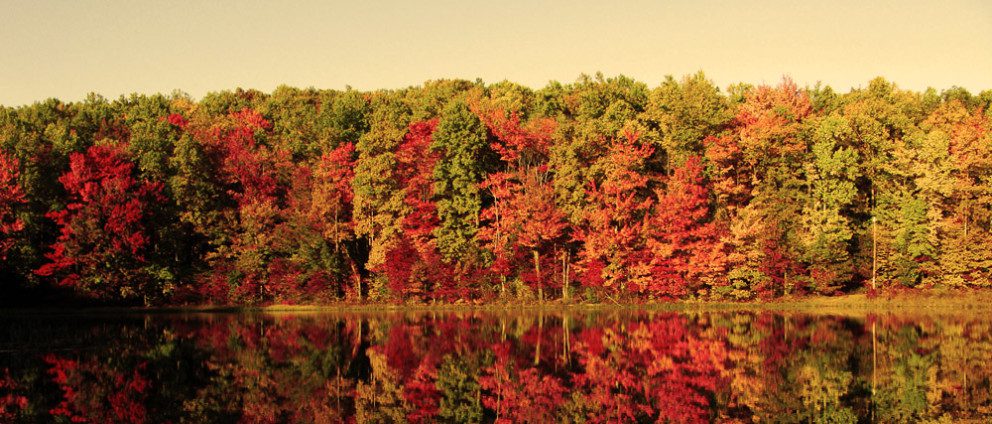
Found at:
<point>379,399</point>
<point>934,369</point>
<point>820,372</point>
<point>964,351</point>
<point>906,367</point>
<point>658,369</point>
<point>12,402</point>
<point>821,386</point>
<point>688,367</point>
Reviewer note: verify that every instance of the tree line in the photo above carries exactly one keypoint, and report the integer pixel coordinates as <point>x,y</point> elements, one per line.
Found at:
<point>600,190</point>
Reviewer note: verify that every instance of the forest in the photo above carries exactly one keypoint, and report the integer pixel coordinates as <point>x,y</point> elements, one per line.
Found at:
<point>600,190</point>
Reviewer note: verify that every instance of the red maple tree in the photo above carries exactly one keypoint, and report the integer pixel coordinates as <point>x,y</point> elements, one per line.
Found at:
<point>104,230</point>
<point>683,240</point>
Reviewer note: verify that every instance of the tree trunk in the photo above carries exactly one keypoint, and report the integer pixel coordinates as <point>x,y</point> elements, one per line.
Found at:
<point>874,242</point>
<point>564,274</point>
<point>537,276</point>
<point>358,276</point>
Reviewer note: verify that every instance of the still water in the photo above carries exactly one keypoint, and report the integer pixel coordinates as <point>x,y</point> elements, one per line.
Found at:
<point>613,366</point>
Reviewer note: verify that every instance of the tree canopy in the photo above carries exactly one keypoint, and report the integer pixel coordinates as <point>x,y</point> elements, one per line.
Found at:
<point>604,188</point>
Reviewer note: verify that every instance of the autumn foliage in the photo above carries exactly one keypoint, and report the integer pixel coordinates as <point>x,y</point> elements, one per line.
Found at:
<point>599,190</point>
<point>105,232</point>
<point>11,196</point>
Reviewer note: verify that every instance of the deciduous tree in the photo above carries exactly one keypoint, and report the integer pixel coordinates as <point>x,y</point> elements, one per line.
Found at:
<point>105,229</point>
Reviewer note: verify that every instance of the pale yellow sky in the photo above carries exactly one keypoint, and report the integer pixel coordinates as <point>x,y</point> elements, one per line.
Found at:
<point>66,49</point>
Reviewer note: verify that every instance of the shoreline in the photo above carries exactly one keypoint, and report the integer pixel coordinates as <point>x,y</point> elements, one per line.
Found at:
<point>945,302</point>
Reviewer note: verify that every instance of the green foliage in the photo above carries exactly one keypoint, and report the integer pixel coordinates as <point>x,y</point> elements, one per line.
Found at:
<point>742,284</point>
<point>832,177</point>
<point>461,139</point>
<point>378,196</point>
<point>457,381</point>
<point>912,241</point>
<point>345,117</point>
<point>686,112</point>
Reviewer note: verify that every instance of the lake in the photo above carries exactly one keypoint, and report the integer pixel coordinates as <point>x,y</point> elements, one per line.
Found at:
<point>573,366</point>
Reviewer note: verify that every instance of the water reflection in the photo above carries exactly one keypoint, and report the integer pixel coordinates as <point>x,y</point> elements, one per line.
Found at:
<point>472,367</point>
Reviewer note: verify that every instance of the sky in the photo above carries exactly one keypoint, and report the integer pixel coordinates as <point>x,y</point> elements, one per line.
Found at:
<point>66,49</point>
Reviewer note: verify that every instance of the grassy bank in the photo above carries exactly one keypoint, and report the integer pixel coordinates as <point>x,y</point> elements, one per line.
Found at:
<point>910,301</point>
<point>916,301</point>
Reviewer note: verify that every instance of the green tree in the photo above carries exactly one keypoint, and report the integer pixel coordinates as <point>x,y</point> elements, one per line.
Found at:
<point>831,176</point>
<point>378,201</point>
<point>684,113</point>
<point>461,139</point>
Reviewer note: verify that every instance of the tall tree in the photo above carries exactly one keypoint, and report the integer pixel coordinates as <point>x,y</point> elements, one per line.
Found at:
<point>590,112</point>
<point>253,179</point>
<point>612,254</point>
<point>461,139</point>
<point>684,241</point>
<point>414,266</point>
<point>880,116</point>
<point>827,228</point>
<point>314,239</point>
<point>524,214</point>
<point>104,229</point>
<point>964,194</point>
<point>759,188</point>
<point>332,196</point>
<point>378,195</point>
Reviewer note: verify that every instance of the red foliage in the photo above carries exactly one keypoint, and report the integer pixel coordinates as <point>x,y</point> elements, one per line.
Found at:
<point>331,194</point>
<point>290,284</point>
<point>652,371</point>
<point>533,207</point>
<point>251,169</point>
<point>11,195</point>
<point>177,120</point>
<point>414,267</point>
<point>258,180</point>
<point>422,394</point>
<point>612,223</point>
<point>10,401</point>
<point>211,287</point>
<point>93,392</point>
<point>415,274</point>
<point>731,179</point>
<point>778,264</point>
<point>399,352</point>
<point>519,394</point>
<point>767,122</point>
<point>684,242</point>
<point>523,225</point>
<point>399,266</point>
<point>415,168</point>
<point>319,210</point>
<point>522,221</point>
<point>496,231</point>
<point>592,273</point>
<point>517,144</point>
<point>104,223</point>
